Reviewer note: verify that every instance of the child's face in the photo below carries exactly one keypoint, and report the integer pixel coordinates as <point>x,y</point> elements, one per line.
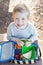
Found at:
<point>20,20</point>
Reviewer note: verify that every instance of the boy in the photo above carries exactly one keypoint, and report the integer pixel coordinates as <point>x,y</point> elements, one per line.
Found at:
<point>21,28</point>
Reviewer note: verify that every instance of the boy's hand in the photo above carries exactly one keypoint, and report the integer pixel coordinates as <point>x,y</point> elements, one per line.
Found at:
<point>19,42</point>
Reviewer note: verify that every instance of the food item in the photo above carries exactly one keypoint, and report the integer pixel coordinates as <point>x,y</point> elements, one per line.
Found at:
<point>16,46</point>
<point>18,57</point>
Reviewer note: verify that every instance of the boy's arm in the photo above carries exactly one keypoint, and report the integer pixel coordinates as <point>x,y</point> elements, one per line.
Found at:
<point>34,37</point>
<point>9,34</point>
<point>36,41</point>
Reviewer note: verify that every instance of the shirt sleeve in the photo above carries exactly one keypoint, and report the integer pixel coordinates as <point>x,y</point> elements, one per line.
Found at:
<point>9,34</point>
<point>34,34</point>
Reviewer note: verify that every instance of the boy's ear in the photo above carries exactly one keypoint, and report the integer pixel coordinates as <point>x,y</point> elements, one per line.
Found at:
<point>12,16</point>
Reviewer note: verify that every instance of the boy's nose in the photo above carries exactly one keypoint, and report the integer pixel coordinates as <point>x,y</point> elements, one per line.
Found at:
<point>20,21</point>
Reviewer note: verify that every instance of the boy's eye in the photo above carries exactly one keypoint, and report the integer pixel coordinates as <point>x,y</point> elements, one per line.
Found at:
<point>23,18</point>
<point>16,18</point>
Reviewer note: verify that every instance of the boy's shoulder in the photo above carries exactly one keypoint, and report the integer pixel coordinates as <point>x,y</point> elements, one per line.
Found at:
<point>11,24</point>
<point>31,25</point>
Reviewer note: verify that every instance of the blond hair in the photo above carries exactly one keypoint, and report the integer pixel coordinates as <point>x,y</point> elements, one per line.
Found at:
<point>21,8</point>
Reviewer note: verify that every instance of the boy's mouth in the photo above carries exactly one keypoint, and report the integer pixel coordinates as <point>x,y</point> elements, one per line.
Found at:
<point>19,25</point>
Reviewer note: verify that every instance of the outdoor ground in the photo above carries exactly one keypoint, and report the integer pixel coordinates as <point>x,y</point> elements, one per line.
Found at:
<point>38,63</point>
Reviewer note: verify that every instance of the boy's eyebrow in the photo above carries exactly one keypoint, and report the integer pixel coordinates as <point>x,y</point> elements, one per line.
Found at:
<point>23,18</point>
<point>16,18</point>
